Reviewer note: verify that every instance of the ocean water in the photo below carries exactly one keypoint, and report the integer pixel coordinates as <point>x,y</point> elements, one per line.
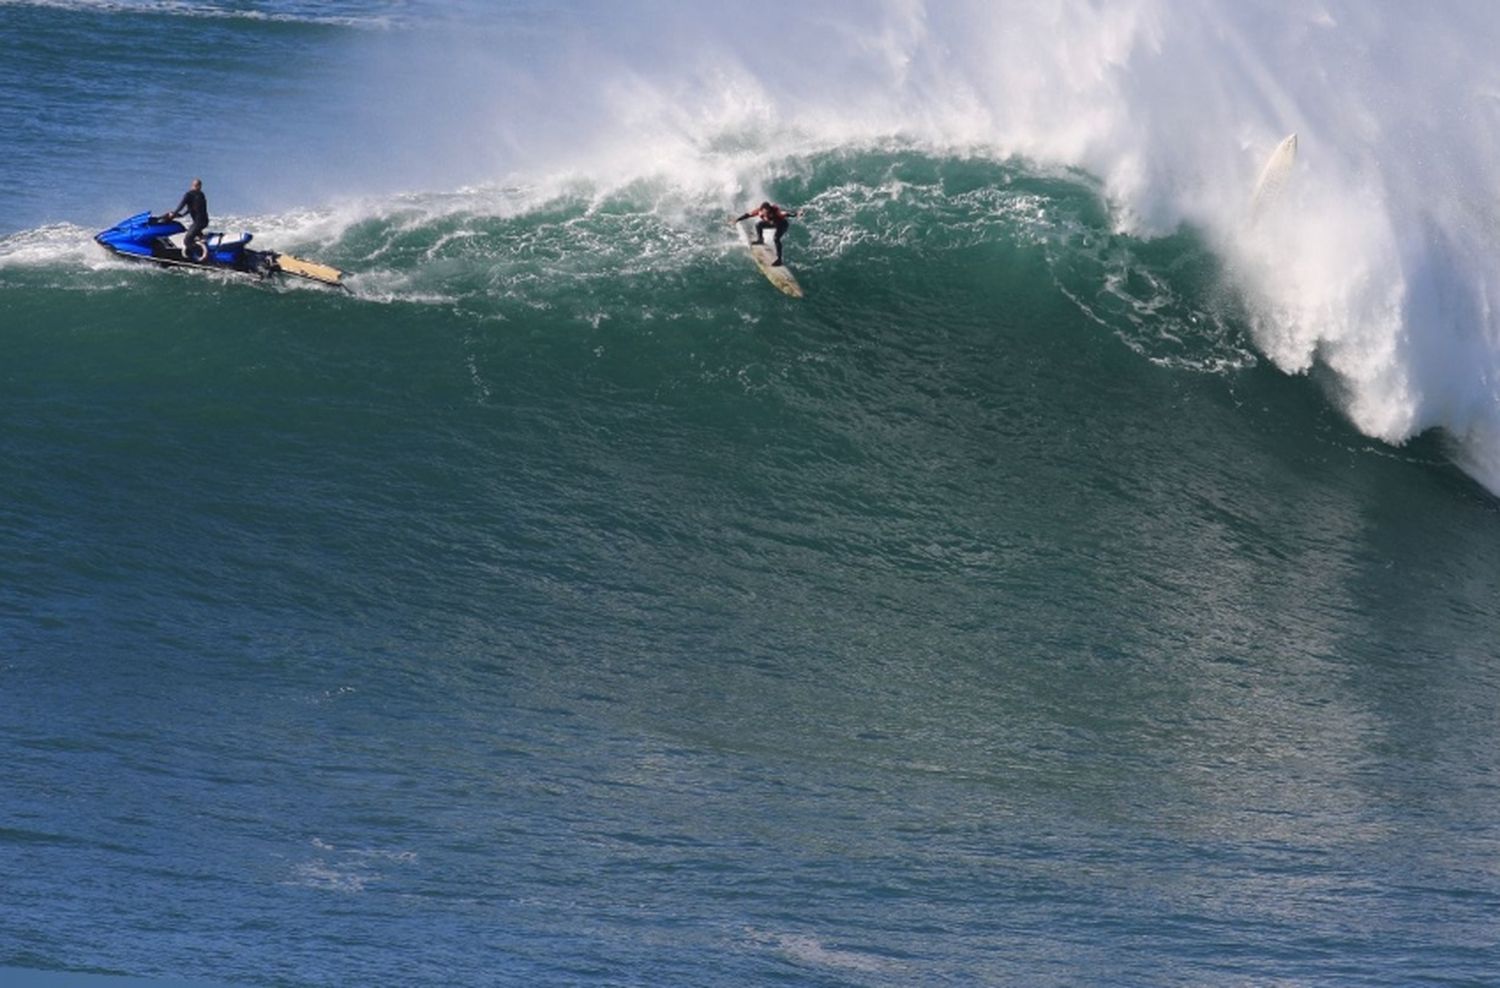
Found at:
<point>1091,581</point>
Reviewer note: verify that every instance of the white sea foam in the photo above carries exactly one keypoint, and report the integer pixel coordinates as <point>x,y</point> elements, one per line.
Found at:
<point>812,952</point>
<point>53,245</point>
<point>348,870</point>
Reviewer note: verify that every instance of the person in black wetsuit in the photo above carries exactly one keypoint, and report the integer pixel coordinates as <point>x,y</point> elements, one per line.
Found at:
<point>195,204</point>
<point>770,216</point>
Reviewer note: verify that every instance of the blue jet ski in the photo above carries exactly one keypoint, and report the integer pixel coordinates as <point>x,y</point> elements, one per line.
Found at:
<point>146,237</point>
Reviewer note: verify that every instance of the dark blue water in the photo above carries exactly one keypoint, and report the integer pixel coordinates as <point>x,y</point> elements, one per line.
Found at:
<point>563,606</point>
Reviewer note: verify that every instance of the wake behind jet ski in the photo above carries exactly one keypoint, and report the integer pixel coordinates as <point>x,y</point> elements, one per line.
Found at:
<point>147,237</point>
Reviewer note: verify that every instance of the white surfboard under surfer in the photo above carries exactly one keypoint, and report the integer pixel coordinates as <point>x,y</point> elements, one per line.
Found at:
<point>770,216</point>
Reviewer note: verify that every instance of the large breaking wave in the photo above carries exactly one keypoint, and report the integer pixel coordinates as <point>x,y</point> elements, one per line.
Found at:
<point>1375,270</point>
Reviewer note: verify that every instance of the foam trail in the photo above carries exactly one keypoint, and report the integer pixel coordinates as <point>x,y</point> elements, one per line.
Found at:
<point>1379,267</point>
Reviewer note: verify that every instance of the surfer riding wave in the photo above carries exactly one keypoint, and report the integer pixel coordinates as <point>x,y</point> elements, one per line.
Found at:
<point>770,217</point>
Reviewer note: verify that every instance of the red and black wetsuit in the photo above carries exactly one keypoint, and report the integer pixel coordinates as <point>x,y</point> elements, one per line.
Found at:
<point>772,217</point>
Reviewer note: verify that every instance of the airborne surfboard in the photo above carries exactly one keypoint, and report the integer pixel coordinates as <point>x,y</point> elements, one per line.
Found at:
<point>1273,177</point>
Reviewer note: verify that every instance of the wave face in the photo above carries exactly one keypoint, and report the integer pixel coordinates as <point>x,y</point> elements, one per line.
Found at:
<point>1377,270</point>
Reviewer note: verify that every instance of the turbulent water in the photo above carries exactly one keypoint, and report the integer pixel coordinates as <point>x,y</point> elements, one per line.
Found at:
<point>1091,581</point>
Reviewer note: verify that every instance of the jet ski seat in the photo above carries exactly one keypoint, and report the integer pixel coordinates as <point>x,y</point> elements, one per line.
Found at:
<point>216,241</point>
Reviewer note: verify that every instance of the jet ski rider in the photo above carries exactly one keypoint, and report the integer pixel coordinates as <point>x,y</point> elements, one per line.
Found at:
<point>195,204</point>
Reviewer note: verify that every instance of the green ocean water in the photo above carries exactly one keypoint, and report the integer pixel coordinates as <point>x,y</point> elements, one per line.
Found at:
<point>562,605</point>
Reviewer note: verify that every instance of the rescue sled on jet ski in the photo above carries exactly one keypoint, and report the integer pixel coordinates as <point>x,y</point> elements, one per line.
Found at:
<point>145,237</point>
